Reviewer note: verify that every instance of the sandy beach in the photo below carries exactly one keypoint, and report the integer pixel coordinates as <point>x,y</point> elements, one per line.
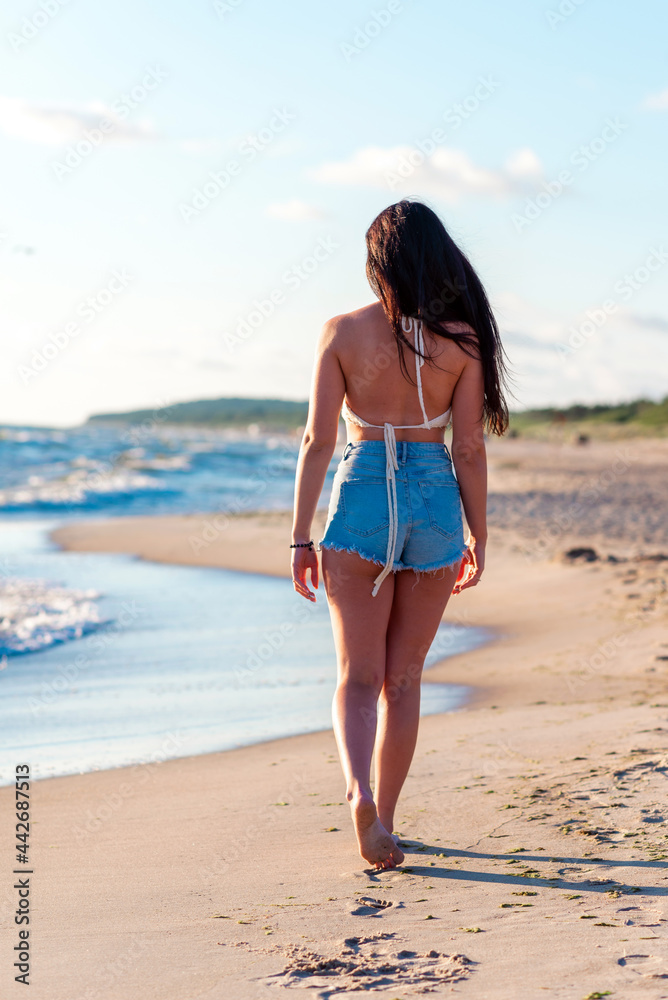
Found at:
<point>543,799</point>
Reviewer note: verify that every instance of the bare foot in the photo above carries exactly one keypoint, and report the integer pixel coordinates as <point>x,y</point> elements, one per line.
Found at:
<point>396,858</point>
<point>376,845</point>
<point>398,855</point>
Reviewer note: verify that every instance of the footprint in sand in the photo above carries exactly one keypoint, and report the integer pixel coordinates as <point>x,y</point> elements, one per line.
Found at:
<point>352,945</point>
<point>371,907</point>
<point>647,966</point>
<point>653,816</point>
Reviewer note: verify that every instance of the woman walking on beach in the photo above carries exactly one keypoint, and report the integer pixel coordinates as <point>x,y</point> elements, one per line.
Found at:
<point>393,548</point>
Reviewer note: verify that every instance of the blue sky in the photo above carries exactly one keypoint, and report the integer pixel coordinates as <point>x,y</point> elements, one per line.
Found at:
<point>132,278</point>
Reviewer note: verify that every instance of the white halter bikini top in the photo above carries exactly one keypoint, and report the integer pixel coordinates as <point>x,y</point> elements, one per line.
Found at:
<point>408,324</point>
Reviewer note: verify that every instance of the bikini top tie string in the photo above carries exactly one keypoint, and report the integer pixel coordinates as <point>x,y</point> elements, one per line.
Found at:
<point>419,361</point>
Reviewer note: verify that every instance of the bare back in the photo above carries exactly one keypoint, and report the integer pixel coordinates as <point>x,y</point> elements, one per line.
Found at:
<point>377,390</point>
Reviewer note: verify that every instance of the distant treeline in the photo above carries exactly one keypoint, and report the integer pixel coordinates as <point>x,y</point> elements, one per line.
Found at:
<point>227,412</point>
<point>289,413</point>
<point>640,411</point>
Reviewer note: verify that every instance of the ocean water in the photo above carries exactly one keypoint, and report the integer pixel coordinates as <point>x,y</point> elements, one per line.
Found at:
<point>106,660</point>
<point>143,469</point>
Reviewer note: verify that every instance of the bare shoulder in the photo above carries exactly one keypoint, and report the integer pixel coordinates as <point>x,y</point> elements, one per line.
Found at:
<point>339,331</point>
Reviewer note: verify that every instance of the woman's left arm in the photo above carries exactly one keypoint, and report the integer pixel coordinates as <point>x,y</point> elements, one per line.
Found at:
<point>328,388</point>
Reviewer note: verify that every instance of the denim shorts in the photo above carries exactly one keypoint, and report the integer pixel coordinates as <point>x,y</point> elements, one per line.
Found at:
<point>430,530</point>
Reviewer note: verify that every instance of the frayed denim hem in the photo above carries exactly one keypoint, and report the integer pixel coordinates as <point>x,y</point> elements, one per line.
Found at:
<point>433,567</point>
<point>353,548</point>
<point>397,567</point>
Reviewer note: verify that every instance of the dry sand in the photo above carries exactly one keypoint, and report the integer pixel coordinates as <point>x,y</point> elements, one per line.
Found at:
<point>544,799</point>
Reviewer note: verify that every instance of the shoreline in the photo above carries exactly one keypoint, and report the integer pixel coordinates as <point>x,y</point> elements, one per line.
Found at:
<point>248,543</point>
<point>254,542</point>
<point>121,536</point>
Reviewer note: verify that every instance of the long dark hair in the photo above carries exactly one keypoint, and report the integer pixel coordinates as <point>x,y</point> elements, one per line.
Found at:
<point>416,269</point>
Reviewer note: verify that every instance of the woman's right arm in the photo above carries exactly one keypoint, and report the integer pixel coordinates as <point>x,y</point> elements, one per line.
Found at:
<point>470,462</point>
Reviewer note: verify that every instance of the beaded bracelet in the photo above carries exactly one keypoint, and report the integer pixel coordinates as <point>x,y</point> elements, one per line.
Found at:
<point>303,545</point>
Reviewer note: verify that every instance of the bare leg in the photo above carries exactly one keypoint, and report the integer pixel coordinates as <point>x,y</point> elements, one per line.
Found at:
<point>414,619</point>
<point>359,622</point>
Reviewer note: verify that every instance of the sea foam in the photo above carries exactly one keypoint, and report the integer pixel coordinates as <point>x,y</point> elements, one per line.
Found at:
<point>36,614</point>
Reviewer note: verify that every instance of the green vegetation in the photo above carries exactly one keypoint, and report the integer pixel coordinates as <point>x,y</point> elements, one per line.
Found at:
<point>641,416</point>
<point>268,414</point>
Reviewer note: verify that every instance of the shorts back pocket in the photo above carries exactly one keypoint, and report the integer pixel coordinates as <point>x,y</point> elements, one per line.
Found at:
<point>443,506</point>
<point>364,505</point>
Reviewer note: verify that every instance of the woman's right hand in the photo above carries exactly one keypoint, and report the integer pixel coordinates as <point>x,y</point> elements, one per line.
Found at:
<point>472,566</point>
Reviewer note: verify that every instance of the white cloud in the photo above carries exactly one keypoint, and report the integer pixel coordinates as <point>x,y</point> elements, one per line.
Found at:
<point>57,125</point>
<point>528,322</point>
<point>657,102</point>
<point>294,210</point>
<point>558,360</point>
<point>446,173</point>
<point>524,163</point>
